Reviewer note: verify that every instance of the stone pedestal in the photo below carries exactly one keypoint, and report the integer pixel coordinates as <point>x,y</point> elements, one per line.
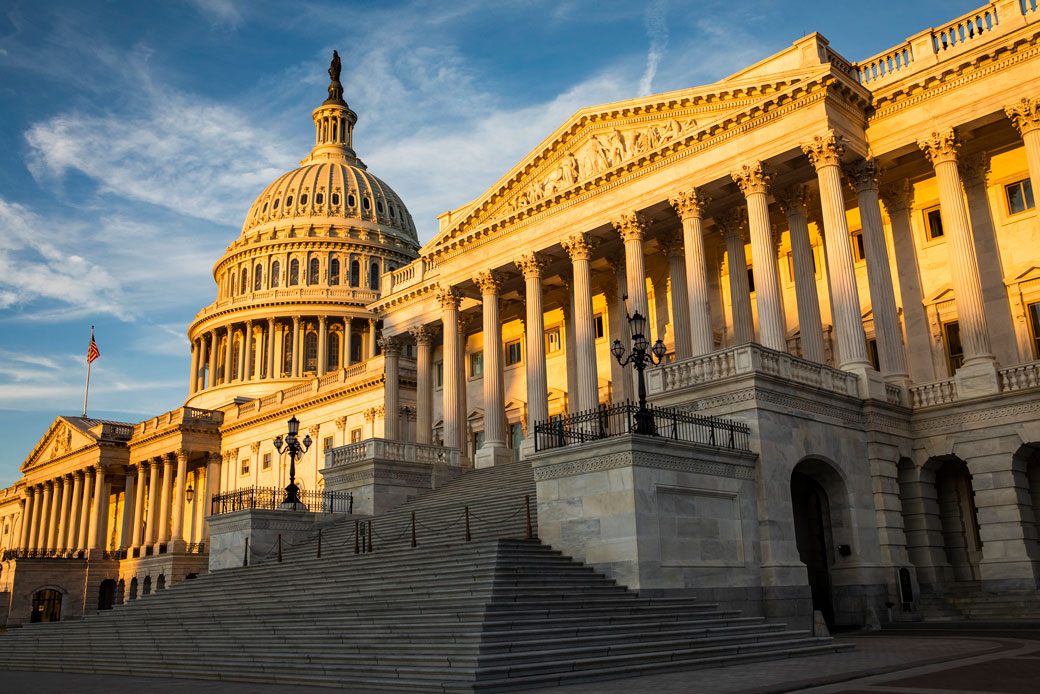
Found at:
<point>977,379</point>
<point>228,533</point>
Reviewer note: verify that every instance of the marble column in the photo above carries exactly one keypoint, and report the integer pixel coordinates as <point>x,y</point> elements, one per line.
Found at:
<point>247,344</point>
<point>941,150</point>
<point>45,515</point>
<point>126,530</point>
<point>344,344</point>
<point>1025,116</point>
<point>138,526</point>
<point>391,346</point>
<point>825,152</point>
<point>52,516</point>
<point>863,175</point>
<point>570,345</point>
<point>34,518</point>
<point>84,510</point>
<point>151,535</point>
<point>212,488</point>
<point>793,203</point>
<point>63,515</point>
<point>323,357</point>
<point>270,348</point>
<point>622,388</point>
<point>164,498</point>
<point>732,227</point>
<point>75,502</point>
<point>96,539</point>
<point>177,534</point>
<point>296,346</point>
<point>229,350</point>
<point>464,428</point>
<point>454,380</point>
<point>424,384</point>
<point>631,227</point>
<point>214,349</point>
<point>24,531</point>
<point>679,295</point>
<point>689,205</point>
<point>193,378</point>
<point>370,339</point>
<point>579,248</point>
<point>494,449</point>
<point>532,265</point>
<point>754,183</point>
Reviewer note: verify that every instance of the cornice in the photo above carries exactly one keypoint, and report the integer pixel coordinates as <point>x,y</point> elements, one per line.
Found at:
<point>335,310</point>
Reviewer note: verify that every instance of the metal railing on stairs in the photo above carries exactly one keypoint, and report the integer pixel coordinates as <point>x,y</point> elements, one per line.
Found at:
<point>270,498</point>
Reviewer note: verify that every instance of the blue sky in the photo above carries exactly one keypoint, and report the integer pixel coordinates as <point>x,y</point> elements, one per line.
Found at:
<point>134,136</point>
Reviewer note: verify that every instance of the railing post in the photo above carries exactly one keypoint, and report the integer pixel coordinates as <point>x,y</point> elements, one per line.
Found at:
<point>279,548</point>
<point>370,536</point>
<point>527,503</point>
<point>357,536</point>
<point>319,543</point>
<point>468,537</point>
<point>245,556</point>
<point>413,528</point>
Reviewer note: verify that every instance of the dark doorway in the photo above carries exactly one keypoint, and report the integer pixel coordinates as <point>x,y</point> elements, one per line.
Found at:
<point>106,594</point>
<point>147,589</point>
<point>46,606</point>
<point>959,519</point>
<point>812,535</point>
<point>133,588</point>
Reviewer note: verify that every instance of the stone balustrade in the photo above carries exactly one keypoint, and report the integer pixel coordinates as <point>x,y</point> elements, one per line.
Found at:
<point>1020,377</point>
<point>932,394</point>
<point>395,451</point>
<point>357,295</point>
<point>410,275</point>
<point>181,415</point>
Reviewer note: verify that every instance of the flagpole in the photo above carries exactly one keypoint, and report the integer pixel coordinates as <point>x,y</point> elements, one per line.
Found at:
<point>86,390</point>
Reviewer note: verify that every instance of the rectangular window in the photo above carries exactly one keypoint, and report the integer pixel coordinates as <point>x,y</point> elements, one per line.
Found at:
<point>266,463</point>
<point>327,444</point>
<point>514,353</point>
<point>1034,327</point>
<point>600,332</point>
<point>751,281</point>
<point>933,224</point>
<point>355,435</point>
<point>857,247</point>
<point>1019,196</point>
<point>476,364</point>
<point>244,470</point>
<point>954,350</point>
<point>872,354</point>
<point>553,342</point>
<point>478,441</point>
<point>440,374</point>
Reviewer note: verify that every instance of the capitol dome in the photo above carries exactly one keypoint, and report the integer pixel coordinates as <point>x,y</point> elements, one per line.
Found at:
<point>293,289</point>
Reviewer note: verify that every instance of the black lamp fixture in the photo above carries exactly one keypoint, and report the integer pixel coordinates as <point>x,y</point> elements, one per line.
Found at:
<point>189,493</point>
<point>640,357</point>
<point>295,448</point>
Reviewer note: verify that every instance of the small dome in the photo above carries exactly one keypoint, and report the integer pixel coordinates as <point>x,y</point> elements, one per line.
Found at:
<point>340,189</point>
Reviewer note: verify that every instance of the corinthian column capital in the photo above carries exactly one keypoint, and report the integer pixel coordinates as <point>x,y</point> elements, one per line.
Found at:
<point>897,196</point>
<point>531,265</point>
<point>689,203</point>
<point>752,178</point>
<point>391,345</point>
<point>578,246</point>
<point>825,150</point>
<point>733,223</point>
<point>1025,115</point>
<point>488,281</point>
<point>941,146</point>
<point>423,335</point>
<point>631,226</point>
<point>863,175</point>
<point>448,297</point>
<point>793,201</point>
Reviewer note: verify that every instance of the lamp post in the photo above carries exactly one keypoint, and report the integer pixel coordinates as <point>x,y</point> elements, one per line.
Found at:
<point>295,448</point>
<point>640,357</point>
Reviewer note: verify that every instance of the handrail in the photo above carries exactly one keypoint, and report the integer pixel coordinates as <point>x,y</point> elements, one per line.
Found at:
<point>270,498</point>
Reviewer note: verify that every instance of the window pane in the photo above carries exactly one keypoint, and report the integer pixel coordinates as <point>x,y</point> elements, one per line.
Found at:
<point>476,364</point>
<point>935,227</point>
<point>751,280</point>
<point>1034,327</point>
<point>954,350</point>
<point>276,269</point>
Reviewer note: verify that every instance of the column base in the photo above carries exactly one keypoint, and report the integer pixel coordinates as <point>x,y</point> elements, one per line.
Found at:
<point>977,379</point>
<point>871,385</point>
<point>527,448</point>
<point>176,547</point>
<point>491,455</point>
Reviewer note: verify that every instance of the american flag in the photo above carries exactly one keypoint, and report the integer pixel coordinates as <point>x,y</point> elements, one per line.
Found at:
<point>92,351</point>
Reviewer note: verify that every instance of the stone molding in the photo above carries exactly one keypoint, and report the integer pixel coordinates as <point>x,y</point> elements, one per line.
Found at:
<point>641,459</point>
<point>948,420</point>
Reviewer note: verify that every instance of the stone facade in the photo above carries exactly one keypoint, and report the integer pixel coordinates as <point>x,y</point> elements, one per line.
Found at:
<point>840,256</point>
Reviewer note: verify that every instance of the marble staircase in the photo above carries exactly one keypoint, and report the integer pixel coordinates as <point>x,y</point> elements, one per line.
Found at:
<point>497,613</point>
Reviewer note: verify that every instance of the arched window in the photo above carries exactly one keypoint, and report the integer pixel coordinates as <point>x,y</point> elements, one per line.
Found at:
<point>355,347</point>
<point>351,201</point>
<point>310,352</point>
<point>276,269</point>
<point>312,276</point>
<point>335,198</point>
<point>245,281</point>
<point>319,198</point>
<point>237,347</point>
<point>333,349</point>
<point>334,271</point>
<point>366,203</point>
<point>373,275</point>
<point>287,338</point>
<point>232,290</point>
<point>294,272</point>
<point>355,273</point>
<point>258,276</point>
<point>303,199</point>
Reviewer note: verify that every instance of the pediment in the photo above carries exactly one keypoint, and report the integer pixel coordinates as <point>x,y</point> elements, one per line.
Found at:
<point>1023,273</point>
<point>62,437</point>
<point>599,142</point>
<point>944,293</point>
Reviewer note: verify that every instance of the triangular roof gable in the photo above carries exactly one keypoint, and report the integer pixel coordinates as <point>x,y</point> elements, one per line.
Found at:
<point>598,140</point>
<point>64,434</point>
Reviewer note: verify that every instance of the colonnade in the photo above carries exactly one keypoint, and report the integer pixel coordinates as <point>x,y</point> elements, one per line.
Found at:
<point>250,354</point>
<point>692,317</point>
<point>70,513</point>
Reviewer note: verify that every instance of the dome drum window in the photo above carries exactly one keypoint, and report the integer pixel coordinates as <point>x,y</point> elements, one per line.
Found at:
<point>335,199</point>
<point>275,205</point>
<point>276,269</point>
<point>366,203</point>
<point>351,202</point>
<point>379,206</point>
<point>288,201</point>
<point>319,198</point>
<point>265,208</point>
<point>303,199</point>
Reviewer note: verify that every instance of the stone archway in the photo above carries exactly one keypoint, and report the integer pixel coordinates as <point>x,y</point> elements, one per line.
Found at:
<point>46,605</point>
<point>819,504</point>
<point>106,594</point>
<point>958,518</point>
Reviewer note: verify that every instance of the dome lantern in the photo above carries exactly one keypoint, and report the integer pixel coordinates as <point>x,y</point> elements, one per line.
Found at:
<point>333,123</point>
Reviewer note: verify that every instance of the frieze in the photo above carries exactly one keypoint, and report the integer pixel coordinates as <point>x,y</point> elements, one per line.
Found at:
<point>417,478</point>
<point>641,459</point>
<point>943,421</point>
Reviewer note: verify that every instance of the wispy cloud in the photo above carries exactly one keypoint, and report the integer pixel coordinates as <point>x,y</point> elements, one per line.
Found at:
<point>657,32</point>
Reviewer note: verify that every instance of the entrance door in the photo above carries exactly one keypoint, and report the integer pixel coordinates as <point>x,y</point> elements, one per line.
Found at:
<point>46,606</point>
<point>106,594</point>
<point>812,535</point>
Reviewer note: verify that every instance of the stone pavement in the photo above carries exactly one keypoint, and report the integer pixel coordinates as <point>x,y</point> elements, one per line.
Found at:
<point>891,662</point>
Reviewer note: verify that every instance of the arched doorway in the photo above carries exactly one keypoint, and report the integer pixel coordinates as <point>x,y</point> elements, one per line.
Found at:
<point>147,588</point>
<point>46,606</point>
<point>106,594</point>
<point>133,588</point>
<point>812,525</point>
<point>160,583</point>
<point>958,518</point>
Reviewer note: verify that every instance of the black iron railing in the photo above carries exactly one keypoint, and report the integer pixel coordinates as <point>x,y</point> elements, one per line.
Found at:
<point>271,498</point>
<point>197,548</point>
<point>615,420</point>
<point>42,554</point>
